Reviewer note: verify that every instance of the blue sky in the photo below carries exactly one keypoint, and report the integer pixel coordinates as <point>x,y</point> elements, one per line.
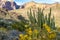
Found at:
<point>20,2</point>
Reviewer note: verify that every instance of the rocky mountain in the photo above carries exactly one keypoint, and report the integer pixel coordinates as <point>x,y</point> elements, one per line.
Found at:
<point>9,5</point>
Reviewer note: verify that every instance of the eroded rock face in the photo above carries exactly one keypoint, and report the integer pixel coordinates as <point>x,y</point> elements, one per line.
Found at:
<point>10,5</point>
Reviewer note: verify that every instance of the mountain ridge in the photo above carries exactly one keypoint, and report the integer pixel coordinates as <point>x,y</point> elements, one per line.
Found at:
<point>41,4</point>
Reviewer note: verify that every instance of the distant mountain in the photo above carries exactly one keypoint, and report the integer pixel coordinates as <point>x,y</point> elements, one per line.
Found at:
<point>9,5</point>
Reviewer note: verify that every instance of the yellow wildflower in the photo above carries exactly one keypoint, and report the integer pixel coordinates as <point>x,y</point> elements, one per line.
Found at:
<point>30,32</point>
<point>21,35</point>
<point>35,31</point>
<point>48,30</point>
<point>47,27</point>
<point>25,36</point>
<point>44,25</point>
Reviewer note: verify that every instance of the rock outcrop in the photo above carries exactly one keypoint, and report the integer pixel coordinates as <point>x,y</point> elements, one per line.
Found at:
<point>9,5</point>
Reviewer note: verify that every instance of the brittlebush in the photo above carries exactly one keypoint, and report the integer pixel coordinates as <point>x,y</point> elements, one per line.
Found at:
<point>51,33</point>
<point>47,27</point>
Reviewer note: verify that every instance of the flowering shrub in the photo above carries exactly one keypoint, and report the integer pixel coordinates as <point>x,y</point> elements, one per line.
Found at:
<point>29,34</point>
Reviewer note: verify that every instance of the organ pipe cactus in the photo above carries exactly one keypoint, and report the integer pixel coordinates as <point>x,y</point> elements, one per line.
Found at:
<point>39,19</point>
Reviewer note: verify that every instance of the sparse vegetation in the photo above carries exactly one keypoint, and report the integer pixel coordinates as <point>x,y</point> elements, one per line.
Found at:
<point>38,27</point>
